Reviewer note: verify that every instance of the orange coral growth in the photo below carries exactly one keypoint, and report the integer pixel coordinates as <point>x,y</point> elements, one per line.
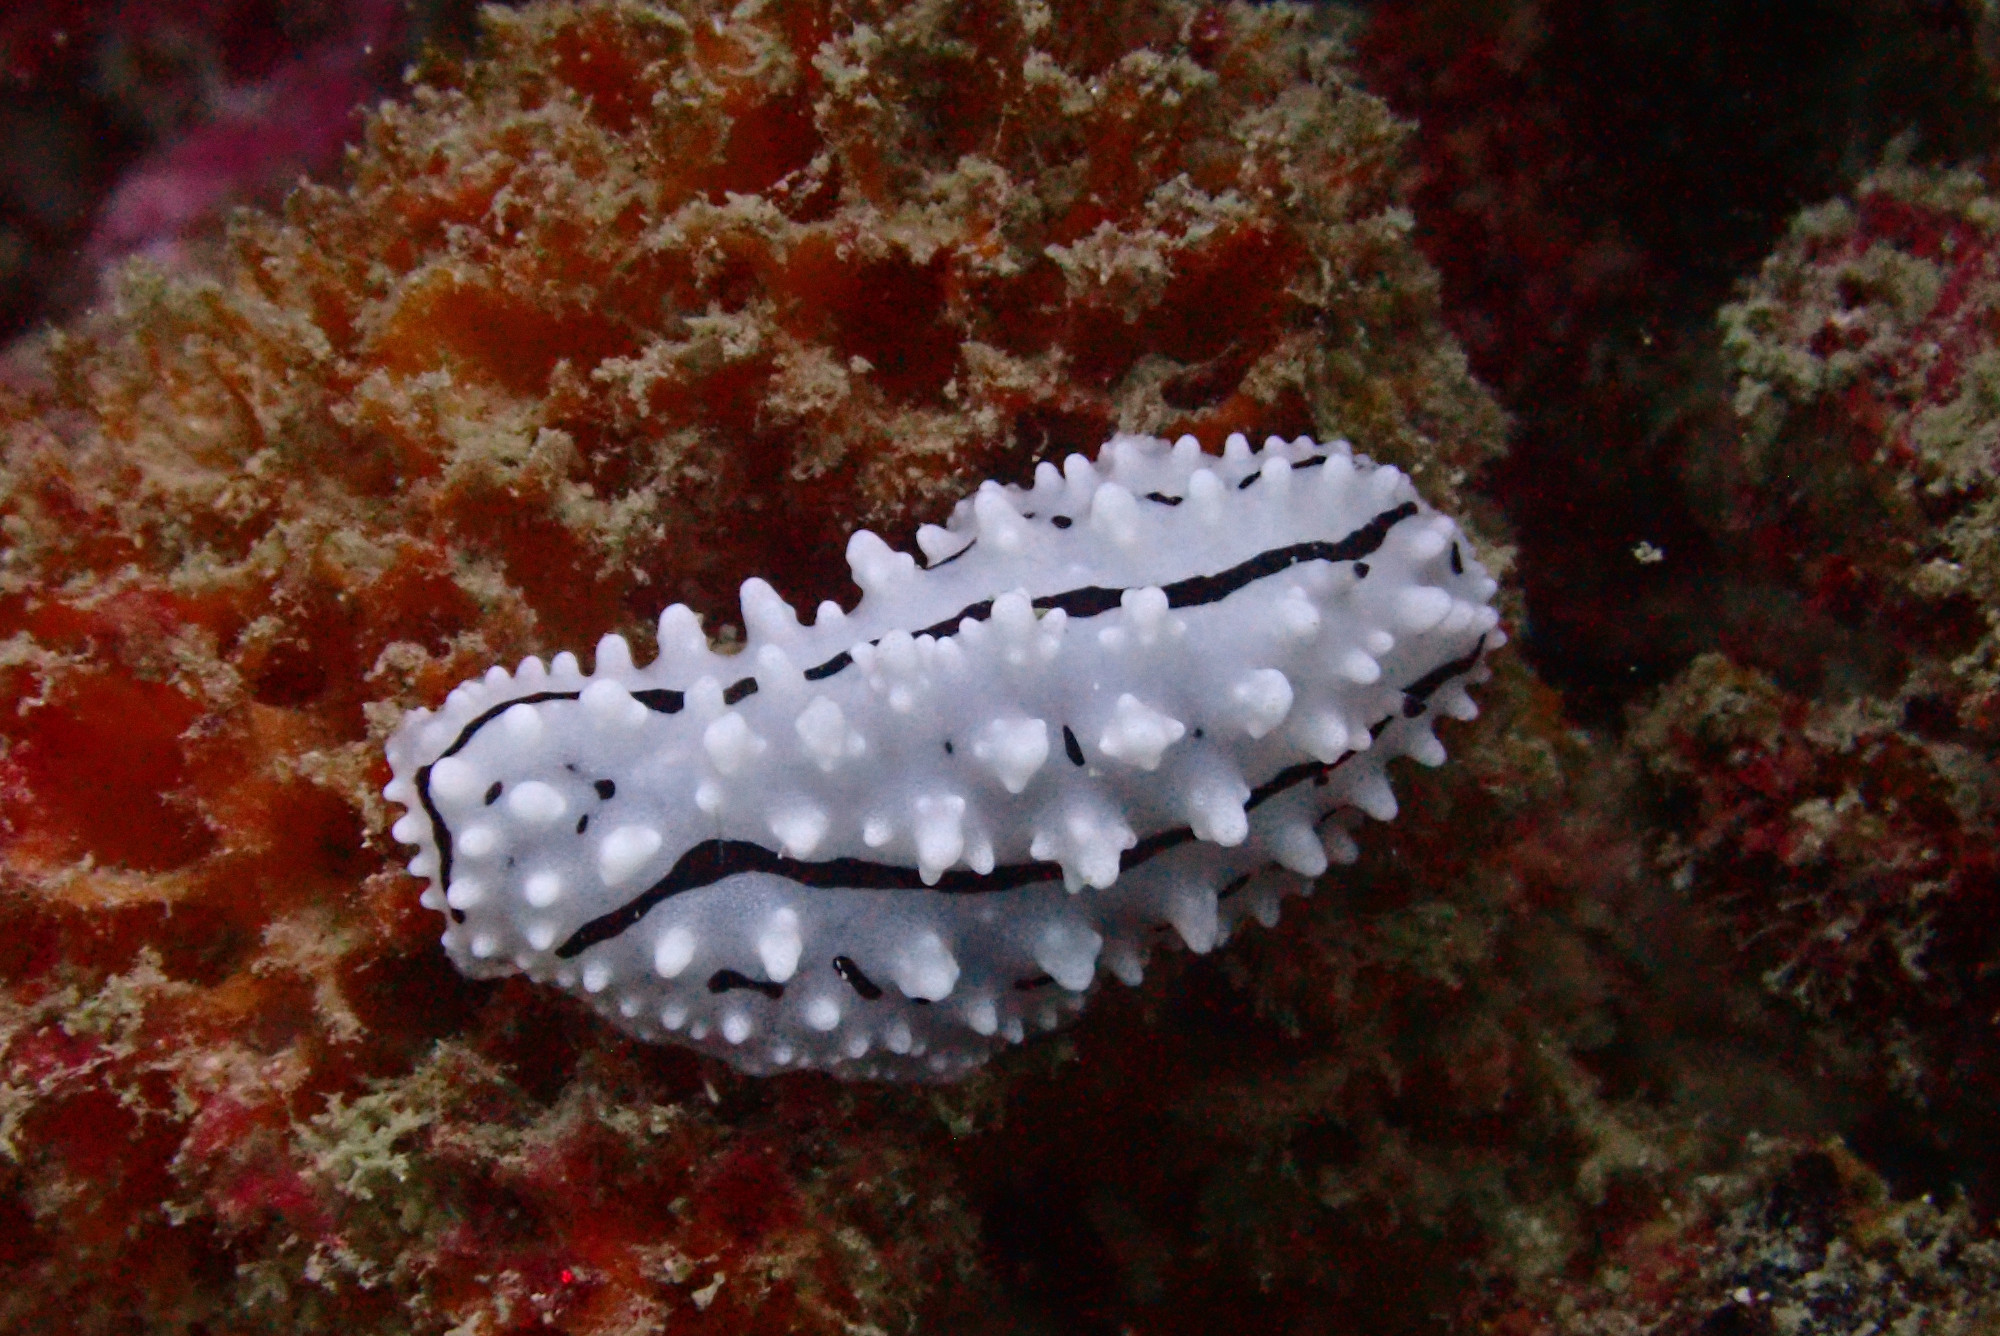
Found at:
<point>646,299</point>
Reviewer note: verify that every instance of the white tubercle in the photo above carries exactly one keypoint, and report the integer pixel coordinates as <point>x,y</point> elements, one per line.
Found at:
<point>1014,749</point>
<point>1262,697</point>
<point>939,828</point>
<point>1138,734</point>
<point>779,944</point>
<point>624,851</point>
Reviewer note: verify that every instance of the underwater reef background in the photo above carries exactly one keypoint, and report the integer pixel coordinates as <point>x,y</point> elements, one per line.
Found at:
<point>1668,1004</point>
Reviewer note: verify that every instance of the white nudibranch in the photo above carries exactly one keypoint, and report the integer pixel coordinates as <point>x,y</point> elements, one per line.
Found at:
<point>1130,705</point>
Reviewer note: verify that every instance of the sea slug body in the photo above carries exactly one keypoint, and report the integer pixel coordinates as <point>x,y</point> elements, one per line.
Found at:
<point>1117,708</point>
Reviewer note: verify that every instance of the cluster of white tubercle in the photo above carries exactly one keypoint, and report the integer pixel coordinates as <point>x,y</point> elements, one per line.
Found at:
<point>1127,706</point>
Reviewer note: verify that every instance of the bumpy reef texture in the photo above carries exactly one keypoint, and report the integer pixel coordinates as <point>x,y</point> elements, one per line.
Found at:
<point>1844,823</point>
<point>643,301</point>
<point>1660,1028</point>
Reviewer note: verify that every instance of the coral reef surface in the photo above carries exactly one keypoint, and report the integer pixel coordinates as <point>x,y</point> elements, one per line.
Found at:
<point>1666,1007</point>
<point>643,299</point>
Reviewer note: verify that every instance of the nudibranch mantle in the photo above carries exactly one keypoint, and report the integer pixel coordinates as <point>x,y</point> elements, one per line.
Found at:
<point>1124,706</point>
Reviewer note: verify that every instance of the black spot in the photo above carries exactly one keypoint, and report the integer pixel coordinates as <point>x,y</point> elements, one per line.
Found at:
<point>493,794</point>
<point>850,974</point>
<point>723,981</point>
<point>1164,499</point>
<point>1312,463</point>
<point>583,823</point>
<point>1320,781</point>
<point>947,747</point>
<point>606,789</point>
<point>1361,570</point>
<point>1247,481</point>
<point>1233,887</point>
<point>1932,716</point>
<point>1200,733</point>
<point>833,665</point>
<point>660,700</point>
<point>1039,981</point>
<point>1457,562</point>
<point>1061,521</point>
<point>1071,747</point>
<point>738,689</point>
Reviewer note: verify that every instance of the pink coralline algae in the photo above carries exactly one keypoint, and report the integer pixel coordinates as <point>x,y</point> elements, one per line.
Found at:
<point>261,137</point>
<point>136,127</point>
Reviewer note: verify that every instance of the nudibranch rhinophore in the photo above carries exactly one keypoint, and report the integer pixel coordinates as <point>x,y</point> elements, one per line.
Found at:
<point>1125,705</point>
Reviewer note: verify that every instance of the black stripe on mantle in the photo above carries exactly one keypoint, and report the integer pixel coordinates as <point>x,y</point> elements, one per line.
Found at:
<point>716,860</point>
<point>712,861</point>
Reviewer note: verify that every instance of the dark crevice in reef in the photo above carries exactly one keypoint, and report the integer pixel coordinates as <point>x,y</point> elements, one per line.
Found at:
<point>1594,181</point>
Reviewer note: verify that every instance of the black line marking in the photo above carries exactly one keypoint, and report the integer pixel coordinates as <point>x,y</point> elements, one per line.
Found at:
<point>1199,589</point>
<point>1457,562</point>
<point>1417,695</point>
<point>741,687</point>
<point>723,980</point>
<point>961,552</point>
<point>1071,748</point>
<point>660,700</point>
<point>715,860</point>
<point>977,612</point>
<point>1247,481</point>
<point>1312,463</point>
<point>1061,521</point>
<point>1164,499</point>
<point>1093,600</point>
<point>712,861</point>
<point>1235,886</point>
<point>1029,985</point>
<point>851,975</point>
<point>606,789</point>
<point>493,794</point>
